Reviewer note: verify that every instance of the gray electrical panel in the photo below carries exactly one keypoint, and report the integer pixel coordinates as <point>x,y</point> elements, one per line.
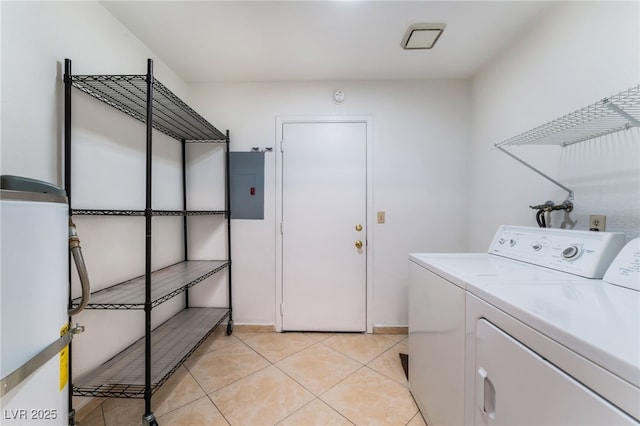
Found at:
<point>246,172</point>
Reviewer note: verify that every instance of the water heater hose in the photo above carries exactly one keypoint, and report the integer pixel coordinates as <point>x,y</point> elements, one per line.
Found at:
<point>76,251</point>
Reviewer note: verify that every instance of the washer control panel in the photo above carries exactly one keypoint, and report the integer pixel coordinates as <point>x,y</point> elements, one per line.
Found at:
<point>584,253</point>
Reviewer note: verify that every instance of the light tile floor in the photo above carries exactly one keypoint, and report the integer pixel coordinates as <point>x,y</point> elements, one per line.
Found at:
<point>292,379</point>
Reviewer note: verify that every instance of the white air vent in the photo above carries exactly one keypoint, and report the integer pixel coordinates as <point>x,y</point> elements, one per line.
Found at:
<point>422,36</point>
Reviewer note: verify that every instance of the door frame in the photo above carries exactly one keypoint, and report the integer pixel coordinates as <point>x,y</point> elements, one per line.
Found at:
<point>280,122</point>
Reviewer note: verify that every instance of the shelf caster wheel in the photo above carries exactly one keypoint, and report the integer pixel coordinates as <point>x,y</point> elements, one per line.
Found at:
<point>149,420</point>
<point>229,328</point>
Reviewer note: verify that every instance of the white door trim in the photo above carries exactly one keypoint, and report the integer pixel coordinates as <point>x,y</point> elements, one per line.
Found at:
<point>280,122</point>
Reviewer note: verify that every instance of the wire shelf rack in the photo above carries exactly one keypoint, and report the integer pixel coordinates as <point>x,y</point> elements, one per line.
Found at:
<point>165,283</point>
<point>609,115</point>
<point>96,212</point>
<point>139,370</point>
<point>171,116</point>
<point>123,376</point>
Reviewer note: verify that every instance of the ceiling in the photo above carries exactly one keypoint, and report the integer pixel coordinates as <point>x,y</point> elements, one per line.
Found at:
<point>222,41</point>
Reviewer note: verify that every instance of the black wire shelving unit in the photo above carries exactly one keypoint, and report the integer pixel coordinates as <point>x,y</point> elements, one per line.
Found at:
<point>139,370</point>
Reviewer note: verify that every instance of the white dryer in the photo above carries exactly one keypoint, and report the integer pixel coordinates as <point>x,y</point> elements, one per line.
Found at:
<point>458,300</point>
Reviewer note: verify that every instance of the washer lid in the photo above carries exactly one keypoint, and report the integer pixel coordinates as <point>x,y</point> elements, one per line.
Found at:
<point>464,268</point>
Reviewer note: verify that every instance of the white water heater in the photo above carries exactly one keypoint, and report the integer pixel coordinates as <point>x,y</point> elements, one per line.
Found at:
<point>34,296</point>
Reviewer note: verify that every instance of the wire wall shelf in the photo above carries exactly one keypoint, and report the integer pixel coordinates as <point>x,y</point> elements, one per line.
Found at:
<point>123,376</point>
<point>171,116</point>
<point>165,283</point>
<point>609,115</point>
<point>95,212</point>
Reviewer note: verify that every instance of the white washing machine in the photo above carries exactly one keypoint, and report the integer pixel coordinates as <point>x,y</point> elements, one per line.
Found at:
<point>528,324</point>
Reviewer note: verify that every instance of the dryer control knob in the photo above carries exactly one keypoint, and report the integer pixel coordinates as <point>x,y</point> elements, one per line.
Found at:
<point>571,252</point>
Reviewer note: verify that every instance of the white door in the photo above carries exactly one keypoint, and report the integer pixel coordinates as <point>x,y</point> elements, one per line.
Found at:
<point>324,203</point>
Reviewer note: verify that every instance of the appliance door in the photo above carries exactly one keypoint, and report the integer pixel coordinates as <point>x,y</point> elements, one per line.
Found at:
<point>515,386</point>
<point>436,346</point>
<point>34,299</point>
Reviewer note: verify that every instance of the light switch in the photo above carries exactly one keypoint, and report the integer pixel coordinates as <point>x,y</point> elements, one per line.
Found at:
<point>381,217</point>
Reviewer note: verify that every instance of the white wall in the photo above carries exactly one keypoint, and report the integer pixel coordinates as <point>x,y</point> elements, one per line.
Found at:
<point>581,53</point>
<point>420,176</point>
<point>36,38</point>
<point>108,149</point>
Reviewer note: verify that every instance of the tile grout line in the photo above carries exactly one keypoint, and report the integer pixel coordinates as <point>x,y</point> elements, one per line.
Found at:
<point>206,395</point>
<point>321,402</point>
<point>385,375</point>
<point>342,353</point>
<point>357,360</point>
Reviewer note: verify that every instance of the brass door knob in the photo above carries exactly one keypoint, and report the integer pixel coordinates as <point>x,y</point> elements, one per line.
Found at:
<point>358,227</point>
<point>358,244</point>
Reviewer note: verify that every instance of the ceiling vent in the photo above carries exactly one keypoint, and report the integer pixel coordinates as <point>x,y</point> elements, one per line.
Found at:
<point>422,36</point>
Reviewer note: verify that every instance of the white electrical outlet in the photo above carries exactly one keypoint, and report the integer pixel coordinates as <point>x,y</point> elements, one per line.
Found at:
<point>597,222</point>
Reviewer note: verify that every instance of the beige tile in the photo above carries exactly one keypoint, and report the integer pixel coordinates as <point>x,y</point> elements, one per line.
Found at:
<point>316,413</point>
<point>318,367</point>
<point>179,390</point>
<point>264,398</point>
<point>123,412</point>
<point>94,418</point>
<point>201,412</point>
<point>85,406</point>
<point>417,420</point>
<point>276,346</point>
<point>362,347</point>
<point>369,398</point>
<point>216,369</point>
<point>319,336</point>
<point>217,340</point>
<point>245,335</point>
<point>248,391</point>
<point>389,362</point>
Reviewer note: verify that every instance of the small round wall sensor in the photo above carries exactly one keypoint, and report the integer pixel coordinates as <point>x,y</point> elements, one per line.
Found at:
<point>338,96</point>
